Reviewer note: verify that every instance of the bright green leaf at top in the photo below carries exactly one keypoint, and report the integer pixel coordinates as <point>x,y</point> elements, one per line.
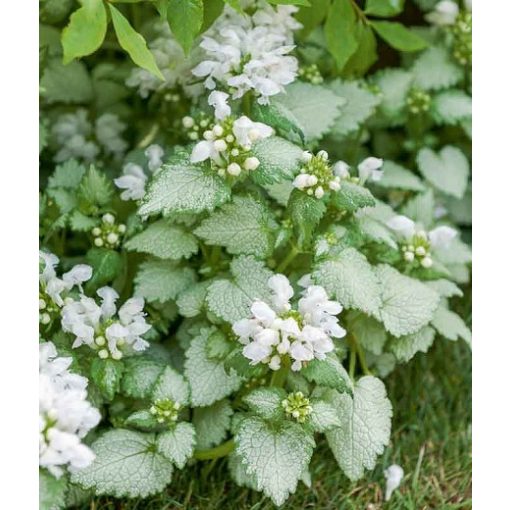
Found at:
<point>133,43</point>
<point>384,8</point>
<point>85,31</point>
<point>185,18</point>
<point>339,30</point>
<point>398,36</point>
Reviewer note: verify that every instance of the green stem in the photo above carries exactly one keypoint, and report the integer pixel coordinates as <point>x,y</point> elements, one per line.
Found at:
<point>149,137</point>
<point>352,362</point>
<point>287,260</point>
<point>246,103</point>
<point>215,255</point>
<point>362,360</point>
<point>279,376</point>
<point>221,450</point>
<point>359,12</point>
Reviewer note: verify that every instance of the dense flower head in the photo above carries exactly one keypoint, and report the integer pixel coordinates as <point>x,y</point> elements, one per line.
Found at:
<point>65,415</point>
<point>166,411</point>
<point>109,233</point>
<point>228,145</point>
<point>462,32</point>
<point>297,406</point>
<point>369,170</point>
<point>310,74</point>
<point>276,330</point>
<point>416,243</point>
<point>250,53</point>
<point>418,101</point>
<point>54,290</point>
<point>195,125</point>
<point>110,332</point>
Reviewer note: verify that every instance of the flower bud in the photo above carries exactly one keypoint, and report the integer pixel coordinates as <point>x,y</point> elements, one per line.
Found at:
<point>220,145</point>
<point>306,157</point>
<point>323,155</point>
<point>100,340</point>
<point>121,228</point>
<point>234,169</point>
<point>98,242</point>
<point>188,122</point>
<point>96,231</point>
<point>108,218</point>
<point>319,192</point>
<point>251,163</point>
<point>208,135</point>
<point>426,262</point>
<point>112,237</point>
<point>103,353</point>
<point>409,256</point>
<point>217,130</point>
<point>117,355</point>
<point>421,251</point>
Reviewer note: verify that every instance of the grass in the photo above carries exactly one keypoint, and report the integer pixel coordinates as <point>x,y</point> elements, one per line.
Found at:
<point>431,440</point>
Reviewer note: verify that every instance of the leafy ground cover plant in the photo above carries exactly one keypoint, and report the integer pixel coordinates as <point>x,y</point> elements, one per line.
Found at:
<point>248,220</point>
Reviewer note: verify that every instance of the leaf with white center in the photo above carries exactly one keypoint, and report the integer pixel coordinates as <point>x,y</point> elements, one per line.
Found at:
<point>350,279</point>
<point>266,402</point>
<point>171,385</point>
<point>52,491</point>
<point>238,473</point>
<point>394,85</point>
<point>447,170</point>
<point>450,325</point>
<point>421,209</point>
<point>177,444</point>
<point>191,301</point>
<point>276,458</point>
<point>368,332</point>
<point>360,106</point>
<point>244,226</point>
<point>165,241</point>
<point>231,300</point>
<point>279,160</point>
<point>324,416</point>
<point>180,188</point>
<point>126,465</point>
<point>140,375</point>
<point>351,197</point>
<point>406,347</point>
<point>451,107</point>
<point>314,106</point>
<point>208,379</point>
<point>456,252</point>
<point>328,372</point>
<point>396,176</point>
<point>365,428</point>
<point>212,423</point>
<point>434,69</point>
<point>407,303</point>
<point>445,288</point>
<point>162,280</point>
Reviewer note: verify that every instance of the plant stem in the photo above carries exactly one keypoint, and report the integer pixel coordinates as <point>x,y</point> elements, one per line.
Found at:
<point>246,104</point>
<point>352,362</point>
<point>278,377</point>
<point>221,450</point>
<point>287,260</point>
<point>149,137</point>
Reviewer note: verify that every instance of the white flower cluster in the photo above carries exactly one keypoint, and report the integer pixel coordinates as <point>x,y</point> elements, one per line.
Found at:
<point>98,327</point>
<point>74,134</point>
<point>228,145</point>
<point>445,12</point>
<point>108,233</point>
<point>53,290</point>
<point>316,176</point>
<point>417,243</point>
<point>250,53</point>
<point>276,331</point>
<point>369,170</point>
<point>134,179</point>
<point>65,415</point>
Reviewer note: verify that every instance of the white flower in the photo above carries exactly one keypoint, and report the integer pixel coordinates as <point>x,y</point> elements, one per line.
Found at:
<point>248,132</point>
<point>132,182</point>
<point>276,330</point>
<point>154,155</point>
<point>65,415</point>
<point>108,130</point>
<point>393,475</point>
<point>370,170</point>
<point>96,326</point>
<point>219,101</point>
<point>402,225</point>
<point>445,13</point>
<point>442,236</point>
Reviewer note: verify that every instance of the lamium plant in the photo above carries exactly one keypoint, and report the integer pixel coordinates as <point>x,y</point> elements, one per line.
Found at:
<point>248,220</point>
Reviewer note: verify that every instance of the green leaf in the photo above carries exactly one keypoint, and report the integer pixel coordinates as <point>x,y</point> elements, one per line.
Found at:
<point>328,372</point>
<point>212,11</point>
<point>95,188</point>
<point>406,347</point>
<point>165,241</point>
<point>313,16</point>
<point>185,18</point>
<point>447,170</point>
<point>313,106</point>
<point>191,301</point>
<point>266,403</point>
<point>126,465</point>
<point>79,222</point>
<point>365,428</point>
<point>434,69</point>
<point>421,208</point>
<point>407,304</point>
<point>180,188</point>
<point>67,175</point>
<point>280,118</point>
<point>162,280</point>
<point>351,197</point>
<point>243,226</point>
<point>218,346</point>
<point>107,373</point>
<point>340,31</point>
<point>306,3</point>
<point>65,200</point>
<point>140,376</point>
<point>324,416</point>
<point>398,36</point>
<point>231,300</point>
<point>177,444</point>
<point>276,458</point>
<point>85,31</point>
<point>171,385</point>
<point>279,160</point>
<point>143,420</point>
<point>212,423</point>
<point>133,43</point>
<point>360,106</point>
<point>450,325</point>
<point>208,379</point>
<point>451,107</point>
<point>52,491</point>
<point>350,279</point>
<point>394,85</point>
<point>365,55</point>
<point>106,265</point>
<point>306,213</point>
<point>66,84</point>
<point>368,332</point>
<point>384,8</point>
<point>398,177</point>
